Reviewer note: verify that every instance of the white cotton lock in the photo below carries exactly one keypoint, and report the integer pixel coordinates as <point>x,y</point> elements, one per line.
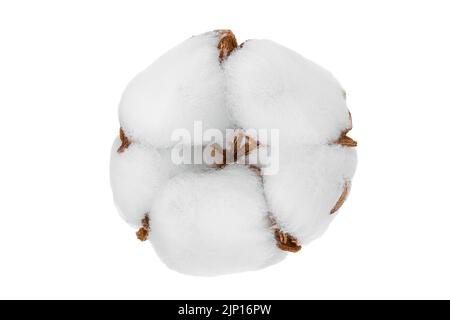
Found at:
<point>136,176</point>
<point>272,87</point>
<point>213,223</point>
<point>184,85</point>
<point>138,173</point>
<point>307,187</point>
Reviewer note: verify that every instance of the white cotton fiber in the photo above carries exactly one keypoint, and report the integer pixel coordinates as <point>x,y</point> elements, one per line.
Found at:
<point>136,175</point>
<point>139,172</point>
<point>184,85</point>
<point>272,87</point>
<point>213,223</point>
<point>306,188</point>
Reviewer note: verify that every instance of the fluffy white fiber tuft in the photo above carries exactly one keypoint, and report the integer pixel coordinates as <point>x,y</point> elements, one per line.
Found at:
<point>272,87</point>
<point>136,175</point>
<point>213,223</point>
<point>184,85</point>
<point>308,185</point>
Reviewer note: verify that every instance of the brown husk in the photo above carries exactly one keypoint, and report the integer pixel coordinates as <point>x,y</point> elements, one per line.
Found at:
<point>342,198</point>
<point>227,43</point>
<point>142,233</point>
<point>125,141</point>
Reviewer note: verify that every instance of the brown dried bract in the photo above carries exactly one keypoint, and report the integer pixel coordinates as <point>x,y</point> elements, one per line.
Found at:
<point>342,198</point>
<point>241,146</point>
<point>344,140</point>
<point>286,242</point>
<point>142,233</point>
<point>125,141</point>
<point>227,43</point>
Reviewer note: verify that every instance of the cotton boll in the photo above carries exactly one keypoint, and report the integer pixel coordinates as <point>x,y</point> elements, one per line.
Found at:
<point>136,175</point>
<point>307,186</point>
<point>182,86</point>
<point>222,201</point>
<point>213,223</point>
<point>272,87</point>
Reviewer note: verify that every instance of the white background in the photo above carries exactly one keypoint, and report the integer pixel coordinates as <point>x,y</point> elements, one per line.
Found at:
<point>63,66</point>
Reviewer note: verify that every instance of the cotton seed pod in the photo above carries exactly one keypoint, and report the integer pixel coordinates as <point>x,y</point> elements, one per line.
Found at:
<point>253,197</point>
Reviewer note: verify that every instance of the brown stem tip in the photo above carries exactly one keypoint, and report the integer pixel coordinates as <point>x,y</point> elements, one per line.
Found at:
<point>286,242</point>
<point>344,140</point>
<point>142,233</point>
<point>227,43</point>
<point>125,141</point>
<point>342,198</point>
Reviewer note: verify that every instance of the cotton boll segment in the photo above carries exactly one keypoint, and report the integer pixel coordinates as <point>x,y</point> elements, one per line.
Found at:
<point>136,175</point>
<point>182,86</point>
<point>307,186</point>
<point>272,87</point>
<point>213,223</point>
